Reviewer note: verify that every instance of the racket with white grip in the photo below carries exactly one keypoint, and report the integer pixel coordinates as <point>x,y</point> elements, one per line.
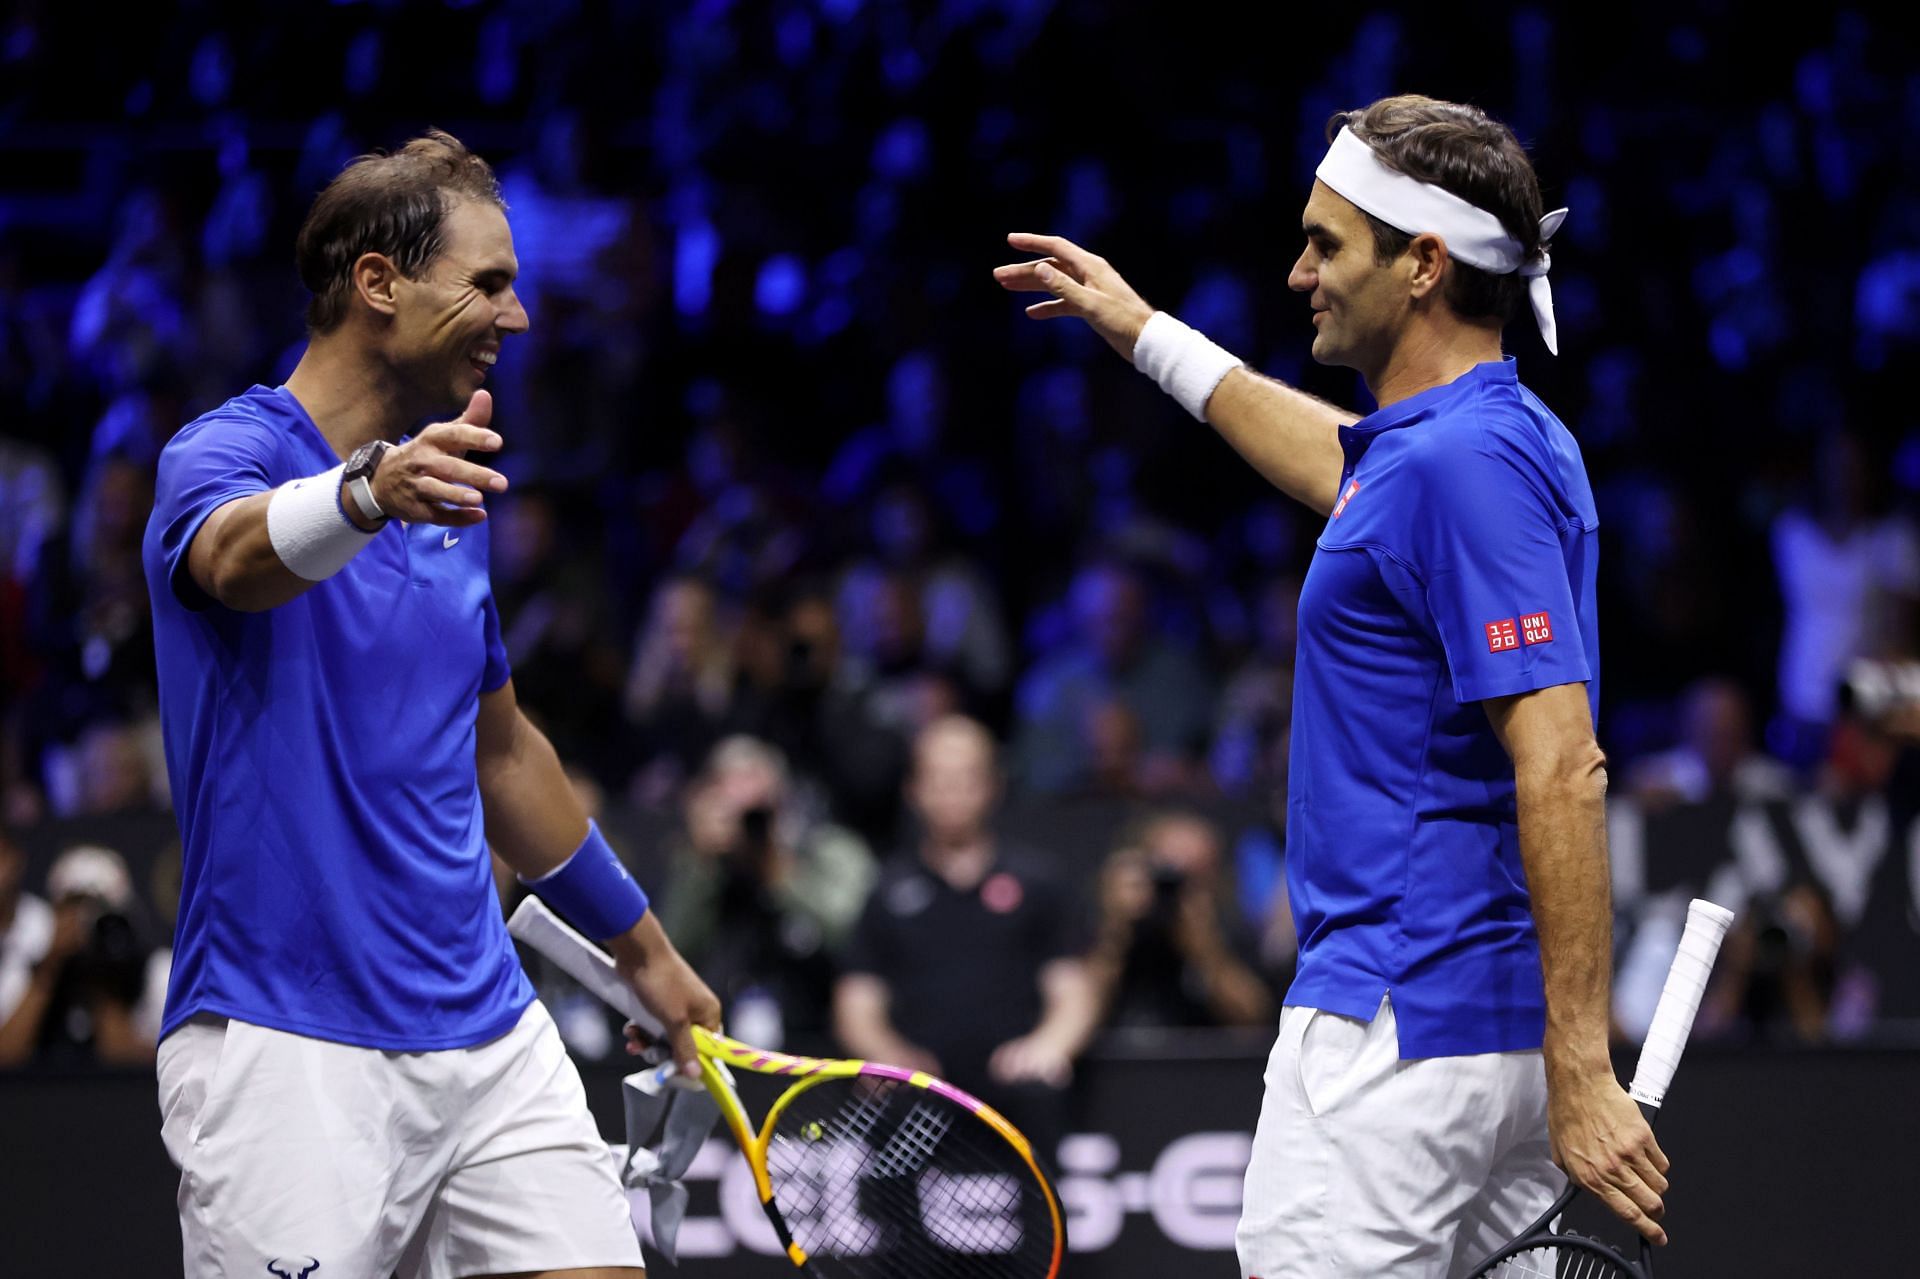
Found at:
<point>1543,1250</point>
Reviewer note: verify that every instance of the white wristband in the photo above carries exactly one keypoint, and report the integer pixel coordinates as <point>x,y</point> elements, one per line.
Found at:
<point>310,532</point>
<point>1184,361</point>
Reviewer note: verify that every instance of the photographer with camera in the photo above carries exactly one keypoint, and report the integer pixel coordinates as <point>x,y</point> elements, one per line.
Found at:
<point>80,996</point>
<point>759,894</point>
<point>1165,954</point>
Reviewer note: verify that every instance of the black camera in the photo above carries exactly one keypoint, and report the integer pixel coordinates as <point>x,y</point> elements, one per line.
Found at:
<point>115,958</point>
<point>1164,911</point>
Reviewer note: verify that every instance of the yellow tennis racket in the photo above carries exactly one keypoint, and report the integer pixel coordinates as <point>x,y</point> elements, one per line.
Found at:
<point>866,1171</point>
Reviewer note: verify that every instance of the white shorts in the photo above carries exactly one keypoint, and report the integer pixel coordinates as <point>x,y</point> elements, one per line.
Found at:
<point>431,1165</point>
<point>1367,1165</point>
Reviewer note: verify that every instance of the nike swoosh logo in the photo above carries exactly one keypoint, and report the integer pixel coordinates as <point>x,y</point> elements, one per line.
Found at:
<point>448,540</point>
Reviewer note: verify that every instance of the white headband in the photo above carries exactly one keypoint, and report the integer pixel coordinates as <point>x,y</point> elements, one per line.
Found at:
<point>1476,237</point>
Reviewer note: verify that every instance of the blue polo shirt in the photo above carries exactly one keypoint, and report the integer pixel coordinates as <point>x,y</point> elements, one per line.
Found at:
<point>336,882</point>
<point>1457,565</point>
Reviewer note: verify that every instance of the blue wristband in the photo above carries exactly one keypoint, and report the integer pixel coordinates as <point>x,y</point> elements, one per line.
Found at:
<point>593,890</point>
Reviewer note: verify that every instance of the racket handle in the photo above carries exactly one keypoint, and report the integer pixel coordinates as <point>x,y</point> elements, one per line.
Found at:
<point>533,923</point>
<point>1679,1001</point>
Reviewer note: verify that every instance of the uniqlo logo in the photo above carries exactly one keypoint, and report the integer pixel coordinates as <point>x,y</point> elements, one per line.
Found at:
<point>1501,636</point>
<point>1352,488</point>
<point>1535,628</point>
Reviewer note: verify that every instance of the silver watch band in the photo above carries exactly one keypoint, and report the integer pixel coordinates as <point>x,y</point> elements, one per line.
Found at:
<point>362,491</point>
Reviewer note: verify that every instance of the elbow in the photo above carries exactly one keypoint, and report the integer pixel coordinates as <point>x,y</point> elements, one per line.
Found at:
<point>226,581</point>
<point>1578,773</point>
<point>229,590</point>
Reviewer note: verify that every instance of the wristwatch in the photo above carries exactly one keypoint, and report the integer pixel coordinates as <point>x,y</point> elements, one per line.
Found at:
<point>359,477</point>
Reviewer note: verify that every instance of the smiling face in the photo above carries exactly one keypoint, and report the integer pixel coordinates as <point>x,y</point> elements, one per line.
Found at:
<point>449,323</point>
<point>1360,307</point>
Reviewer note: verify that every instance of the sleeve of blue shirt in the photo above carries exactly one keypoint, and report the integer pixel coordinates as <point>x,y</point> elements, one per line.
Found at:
<point>204,468</point>
<point>1488,542</point>
<point>497,671</point>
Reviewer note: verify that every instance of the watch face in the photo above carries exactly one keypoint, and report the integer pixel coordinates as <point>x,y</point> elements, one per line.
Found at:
<point>365,458</point>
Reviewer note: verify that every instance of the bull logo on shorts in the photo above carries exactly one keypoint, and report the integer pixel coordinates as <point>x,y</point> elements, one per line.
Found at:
<point>295,1268</point>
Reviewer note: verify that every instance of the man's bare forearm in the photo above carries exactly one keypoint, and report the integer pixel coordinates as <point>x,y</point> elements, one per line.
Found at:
<point>232,559</point>
<point>1290,437</point>
<point>862,1019</point>
<point>1563,843</point>
<point>533,819</point>
<point>1071,1005</point>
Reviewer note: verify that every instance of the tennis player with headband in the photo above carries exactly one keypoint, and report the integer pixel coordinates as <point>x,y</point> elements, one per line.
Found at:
<point>1444,1044</point>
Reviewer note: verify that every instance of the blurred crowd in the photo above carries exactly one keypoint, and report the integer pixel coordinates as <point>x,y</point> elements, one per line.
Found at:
<point>899,632</point>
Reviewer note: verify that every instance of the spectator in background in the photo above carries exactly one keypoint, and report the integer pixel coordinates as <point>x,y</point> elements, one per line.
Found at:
<point>1114,655</point>
<point>820,708</point>
<point>80,999</point>
<point>26,928</point>
<point>680,687</point>
<point>1850,581</point>
<point>1168,951</point>
<point>91,609</point>
<point>913,440</point>
<point>965,961</point>
<point>119,769</point>
<point>1113,747</point>
<point>33,506</point>
<point>32,513</point>
<point>964,634</point>
<point>759,894</point>
<point>1775,979</point>
<point>885,644</point>
<point>1256,707</point>
<point>557,624</point>
<point>1715,757</point>
<point>93,632</point>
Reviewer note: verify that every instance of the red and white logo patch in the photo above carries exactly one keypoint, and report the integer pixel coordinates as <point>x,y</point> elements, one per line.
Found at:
<point>1353,487</point>
<point>1535,628</point>
<point>1001,894</point>
<point>1501,636</point>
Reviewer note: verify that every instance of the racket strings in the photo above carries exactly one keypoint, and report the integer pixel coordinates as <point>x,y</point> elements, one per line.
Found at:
<point>881,1178</point>
<point>1552,1262</point>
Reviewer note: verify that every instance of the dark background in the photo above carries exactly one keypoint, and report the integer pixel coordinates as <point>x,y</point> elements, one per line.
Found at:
<point>755,242</point>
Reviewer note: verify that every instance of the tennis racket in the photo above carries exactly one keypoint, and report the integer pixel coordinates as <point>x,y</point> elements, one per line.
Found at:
<point>866,1171</point>
<point>1545,1251</point>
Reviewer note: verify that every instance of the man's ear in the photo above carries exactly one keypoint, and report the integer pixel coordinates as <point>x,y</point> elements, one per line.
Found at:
<point>375,280</point>
<point>1428,256</point>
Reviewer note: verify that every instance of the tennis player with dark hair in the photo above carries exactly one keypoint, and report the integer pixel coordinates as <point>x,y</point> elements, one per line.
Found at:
<point>1444,1042</point>
<point>354,1075</point>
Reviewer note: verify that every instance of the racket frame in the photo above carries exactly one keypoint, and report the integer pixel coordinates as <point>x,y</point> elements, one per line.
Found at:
<point>535,924</point>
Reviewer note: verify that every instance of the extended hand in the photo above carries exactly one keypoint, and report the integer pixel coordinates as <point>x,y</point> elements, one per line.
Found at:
<point>1603,1142</point>
<point>1082,284</point>
<point>669,988</point>
<point>428,480</point>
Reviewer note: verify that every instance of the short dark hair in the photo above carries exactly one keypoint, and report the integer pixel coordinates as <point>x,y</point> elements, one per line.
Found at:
<point>1464,150</point>
<point>395,204</point>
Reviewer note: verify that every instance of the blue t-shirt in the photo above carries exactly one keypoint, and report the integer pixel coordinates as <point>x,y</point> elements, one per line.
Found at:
<point>1457,565</point>
<point>321,754</point>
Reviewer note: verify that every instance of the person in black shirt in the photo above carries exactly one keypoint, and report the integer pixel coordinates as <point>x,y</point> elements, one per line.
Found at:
<point>966,962</point>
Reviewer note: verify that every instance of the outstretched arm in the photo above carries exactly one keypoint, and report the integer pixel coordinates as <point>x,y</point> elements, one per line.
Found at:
<point>1288,436</point>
